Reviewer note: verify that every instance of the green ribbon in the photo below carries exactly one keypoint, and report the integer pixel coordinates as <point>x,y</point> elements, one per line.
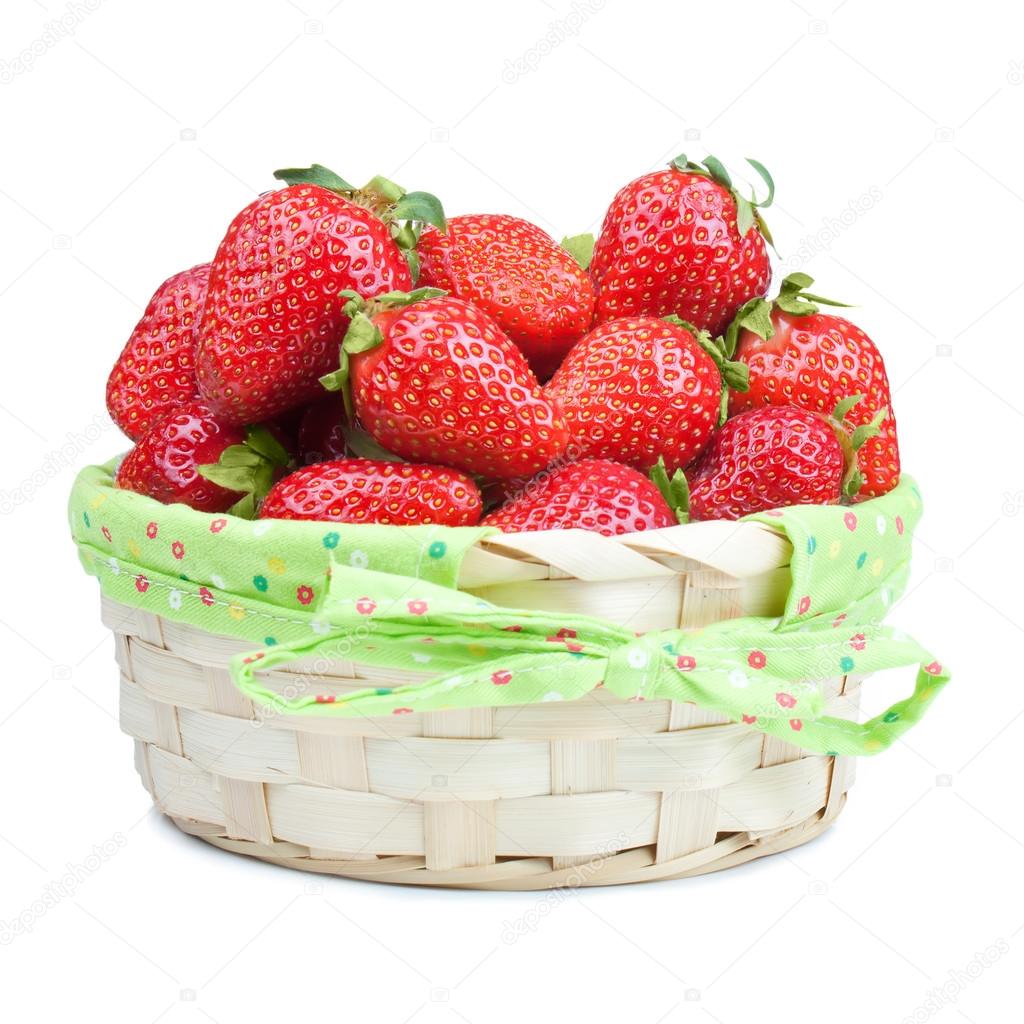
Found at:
<point>481,654</point>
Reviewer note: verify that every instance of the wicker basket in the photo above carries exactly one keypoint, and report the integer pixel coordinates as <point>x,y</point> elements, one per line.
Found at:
<point>592,792</point>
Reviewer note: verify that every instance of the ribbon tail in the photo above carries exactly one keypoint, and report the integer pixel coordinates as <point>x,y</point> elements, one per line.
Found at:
<point>514,679</point>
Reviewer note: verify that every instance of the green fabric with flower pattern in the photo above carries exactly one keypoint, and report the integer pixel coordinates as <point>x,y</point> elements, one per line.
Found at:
<point>386,596</point>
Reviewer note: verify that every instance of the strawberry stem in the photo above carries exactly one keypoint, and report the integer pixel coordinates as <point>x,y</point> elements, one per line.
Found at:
<point>316,174</point>
<point>748,211</point>
<point>363,334</point>
<point>851,441</point>
<point>793,297</point>
<point>735,375</point>
<point>360,444</point>
<point>250,469</point>
<point>405,213</point>
<point>675,489</point>
<point>756,316</point>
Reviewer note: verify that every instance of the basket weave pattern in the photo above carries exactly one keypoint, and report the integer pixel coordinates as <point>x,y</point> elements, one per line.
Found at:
<point>591,792</point>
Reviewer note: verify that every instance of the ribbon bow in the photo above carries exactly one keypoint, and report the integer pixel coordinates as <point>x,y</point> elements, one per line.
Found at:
<point>467,652</point>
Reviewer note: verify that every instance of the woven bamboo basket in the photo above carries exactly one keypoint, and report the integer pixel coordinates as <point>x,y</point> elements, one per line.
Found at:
<point>596,791</point>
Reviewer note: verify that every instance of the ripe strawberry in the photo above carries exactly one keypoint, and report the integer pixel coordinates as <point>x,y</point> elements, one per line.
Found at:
<point>325,434</point>
<point>191,457</point>
<point>156,370</point>
<point>274,316</point>
<point>800,356</point>
<point>405,213</point>
<point>322,431</point>
<point>513,270</point>
<point>637,390</point>
<point>435,380</point>
<point>595,494</point>
<point>369,491</point>
<point>767,458</point>
<point>682,241</point>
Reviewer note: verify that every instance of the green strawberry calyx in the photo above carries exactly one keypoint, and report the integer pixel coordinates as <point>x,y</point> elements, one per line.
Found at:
<point>735,375</point>
<point>363,334</point>
<point>404,212</point>
<point>674,489</point>
<point>580,248</point>
<point>793,298</point>
<point>852,439</point>
<point>250,468</point>
<point>748,211</point>
<point>362,446</point>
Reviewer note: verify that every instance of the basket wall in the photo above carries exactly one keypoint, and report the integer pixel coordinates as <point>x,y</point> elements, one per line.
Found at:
<point>592,792</point>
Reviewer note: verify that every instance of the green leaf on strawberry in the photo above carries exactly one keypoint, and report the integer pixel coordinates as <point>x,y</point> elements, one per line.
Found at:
<point>744,215</point>
<point>768,180</point>
<point>842,409</point>
<point>363,335</point>
<point>316,174</point>
<point>718,171</point>
<point>395,300</point>
<point>421,207</point>
<point>853,440</point>
<point>794,298</point>
<point>360,443</point>
<point>412,257</point>
<point>868,430</point>
<point>262,441</point>
<point>405,213</point>
<point>249,468</point>
<point>245,507</point>
<point>675,490</point>
<point>383,188</point>
<point>748,211</point>
<point>336,379</point>
<point>580,248</point>
<point>735,375</point>
<point>755,316</point>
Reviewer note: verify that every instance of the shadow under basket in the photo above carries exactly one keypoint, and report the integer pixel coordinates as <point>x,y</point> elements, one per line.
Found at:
<point>597,791</point>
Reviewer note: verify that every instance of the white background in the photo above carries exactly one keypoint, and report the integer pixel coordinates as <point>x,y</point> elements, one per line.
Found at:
<point>131,141</point>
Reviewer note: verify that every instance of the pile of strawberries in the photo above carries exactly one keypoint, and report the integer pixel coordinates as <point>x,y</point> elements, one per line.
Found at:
<point>353,355</point>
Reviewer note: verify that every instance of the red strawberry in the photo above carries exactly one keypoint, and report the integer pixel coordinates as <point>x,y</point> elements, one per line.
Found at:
<point>274,316</point>
<point>156,370</point>
<point>800,356</point>
<point>165,463</point>
<point>435,380</point>
<point>325,434</point>
<point>511,269</point>
<point>682,241</point>
<point>637,390</point>
<point>322,431</point>
<point>766,459</point>
<point>594,494</point>
<point>285,427</point>
<point>367,491</point>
